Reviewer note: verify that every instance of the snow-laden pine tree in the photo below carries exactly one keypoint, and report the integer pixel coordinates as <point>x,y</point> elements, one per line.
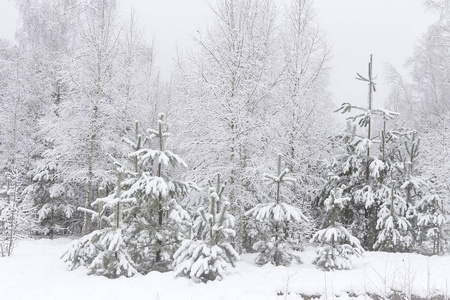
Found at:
<point>360,167</point>
<point>275,247</point>
<point>337,245</point>
<point>410,182</point>
<point>423,197</point>
<point>104,251</point>
<point>435,166</point>
<point>157,223</point>
<point>144,223</point>
<point>431,219</point>
<point>359,178</point>
<point>401,191</point>
<point>52,199</point>
<point>394,228</point>
<point>209,252</point>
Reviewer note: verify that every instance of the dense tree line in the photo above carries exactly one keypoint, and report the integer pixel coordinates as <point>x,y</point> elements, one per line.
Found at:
<point>79,89</point>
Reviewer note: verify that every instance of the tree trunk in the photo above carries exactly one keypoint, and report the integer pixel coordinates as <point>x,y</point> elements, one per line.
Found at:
<point>94,121</point>
<point>371,86</point>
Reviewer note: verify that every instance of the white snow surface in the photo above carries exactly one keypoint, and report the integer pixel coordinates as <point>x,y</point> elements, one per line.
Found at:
<point>35,271</point>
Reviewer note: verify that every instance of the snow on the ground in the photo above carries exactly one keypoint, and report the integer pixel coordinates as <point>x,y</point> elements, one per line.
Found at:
<point>35,271</point>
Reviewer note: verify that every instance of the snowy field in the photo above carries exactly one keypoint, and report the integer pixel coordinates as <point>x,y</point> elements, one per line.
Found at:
<point>35,271</point>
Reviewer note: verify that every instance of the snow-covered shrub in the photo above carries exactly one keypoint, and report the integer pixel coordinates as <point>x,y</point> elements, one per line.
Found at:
<point>276,247</point>
<point>337,245</point>
<point>207,257</point>
<point>103,252</point>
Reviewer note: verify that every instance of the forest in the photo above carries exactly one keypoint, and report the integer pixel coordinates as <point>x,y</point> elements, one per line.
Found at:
<point>241,150</point>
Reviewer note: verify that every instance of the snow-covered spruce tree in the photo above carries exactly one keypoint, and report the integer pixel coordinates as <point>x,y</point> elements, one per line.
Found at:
<point>52,200</point>
<point>364,190</point>
<point>431,219</point>
<point>399,193</point>
<point>360,169</point>
<point>16,215</point>
<point>435,166</point>
<point>394,228</point>
<point>156,224</point>
<point>276,248</point>
<point>104,251</point>
<point>425,208</point>
<point>209,252</point>
<point>411,183</point>
<point>144,223</point>
<point>412,186</point>
<point>337,245</point>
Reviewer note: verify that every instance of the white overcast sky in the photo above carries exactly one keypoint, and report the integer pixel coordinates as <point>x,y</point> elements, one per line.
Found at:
<point>388,29</point>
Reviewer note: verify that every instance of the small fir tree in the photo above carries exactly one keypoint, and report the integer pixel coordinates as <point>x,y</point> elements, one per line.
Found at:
<point>403,190</point>
<point>276,247</point>
<point>431,219</point>
<point>207,257</point>
<point>55,208</point>
<point>337,245</point>
<point>394,234</point>
<point>104,251</point>
<point>412,185</point>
